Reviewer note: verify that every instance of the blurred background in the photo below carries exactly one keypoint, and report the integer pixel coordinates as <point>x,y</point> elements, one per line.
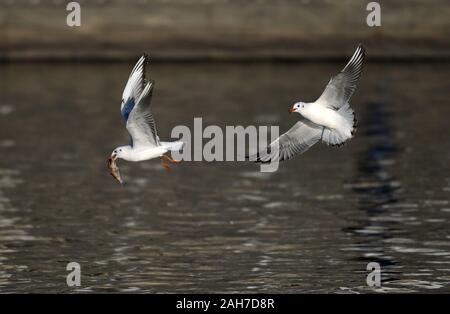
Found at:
<point>221,29</point>
<point>312,226</point>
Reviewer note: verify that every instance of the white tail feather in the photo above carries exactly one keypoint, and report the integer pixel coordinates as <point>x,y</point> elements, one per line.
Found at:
<point>346,130</point>
<point>173,146</point>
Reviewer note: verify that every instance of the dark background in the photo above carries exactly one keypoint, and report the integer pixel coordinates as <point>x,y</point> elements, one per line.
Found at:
<point>311,227</point>
<point>222,29</point>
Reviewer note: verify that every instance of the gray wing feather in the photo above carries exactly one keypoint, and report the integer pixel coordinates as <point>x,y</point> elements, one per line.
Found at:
<point>302,136</point>
<point>341,87</point>
<point>141,124</point>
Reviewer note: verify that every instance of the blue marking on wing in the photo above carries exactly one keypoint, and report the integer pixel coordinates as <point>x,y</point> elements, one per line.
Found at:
<point>127,107</point>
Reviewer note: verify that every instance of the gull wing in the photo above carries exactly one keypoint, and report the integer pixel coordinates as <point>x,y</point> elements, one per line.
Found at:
<point>297,140</point>
<point>341,86</point>
<point>140,123</point>
<point>134,87</point>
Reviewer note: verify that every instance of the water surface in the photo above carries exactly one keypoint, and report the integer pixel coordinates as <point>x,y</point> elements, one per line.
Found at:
<point>223,227</point>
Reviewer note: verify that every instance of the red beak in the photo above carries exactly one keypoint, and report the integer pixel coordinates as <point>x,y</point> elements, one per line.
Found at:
<point>292,110</point>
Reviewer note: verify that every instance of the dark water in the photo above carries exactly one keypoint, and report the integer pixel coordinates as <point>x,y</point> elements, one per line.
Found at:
<point>223,227</point>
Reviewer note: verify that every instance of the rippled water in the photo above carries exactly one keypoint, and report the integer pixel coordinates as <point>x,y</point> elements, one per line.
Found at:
<point>223,227</point>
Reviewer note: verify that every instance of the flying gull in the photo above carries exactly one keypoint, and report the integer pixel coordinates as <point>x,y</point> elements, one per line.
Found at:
<point>329,118</point>
<point>135,110</point>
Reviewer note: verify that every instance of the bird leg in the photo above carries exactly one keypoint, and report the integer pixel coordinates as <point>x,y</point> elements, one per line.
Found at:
<point>170,159</point>
<point>164,165</point>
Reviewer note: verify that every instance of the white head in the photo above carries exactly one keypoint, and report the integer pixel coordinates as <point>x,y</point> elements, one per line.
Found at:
<point>298,107</point>
<point>120,152</point>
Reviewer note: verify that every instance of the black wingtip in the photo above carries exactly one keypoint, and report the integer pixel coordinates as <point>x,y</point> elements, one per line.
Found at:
<point>256,158</point>
<point>363,49</point>
<point>253,158</point>
<point>355,124</point>
<point>144,65</point>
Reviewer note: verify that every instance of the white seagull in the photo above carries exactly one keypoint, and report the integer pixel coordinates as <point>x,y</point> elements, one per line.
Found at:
<point>135,110</point>
<point>329,118</point>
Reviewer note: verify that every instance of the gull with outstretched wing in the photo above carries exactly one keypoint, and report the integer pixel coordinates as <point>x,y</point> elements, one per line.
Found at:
<point>135,110</point>
<point>329,118</point>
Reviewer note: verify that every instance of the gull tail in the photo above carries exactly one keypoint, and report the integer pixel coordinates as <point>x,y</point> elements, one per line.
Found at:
<point>346,130</point>
<point>173,146</point>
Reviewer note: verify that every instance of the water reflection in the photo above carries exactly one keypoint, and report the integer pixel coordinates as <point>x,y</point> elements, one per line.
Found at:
<point>222,227</point>
<point>382,234</point>
<point>375,185</point>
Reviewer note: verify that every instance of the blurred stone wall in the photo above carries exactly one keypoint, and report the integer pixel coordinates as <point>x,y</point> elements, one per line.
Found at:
<point>222,29</point>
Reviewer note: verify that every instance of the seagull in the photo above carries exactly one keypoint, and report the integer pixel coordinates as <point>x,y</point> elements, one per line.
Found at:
<point>135,110</point>
<point>329,118</point>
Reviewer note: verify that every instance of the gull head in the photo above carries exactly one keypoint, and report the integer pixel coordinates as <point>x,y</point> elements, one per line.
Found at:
<point>119,152</point>
<point>297,107</point>
<point>115,154</point>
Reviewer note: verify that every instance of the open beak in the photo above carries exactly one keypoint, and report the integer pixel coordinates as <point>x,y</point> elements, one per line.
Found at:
<point>112,158</point>
<point>291,110</point>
